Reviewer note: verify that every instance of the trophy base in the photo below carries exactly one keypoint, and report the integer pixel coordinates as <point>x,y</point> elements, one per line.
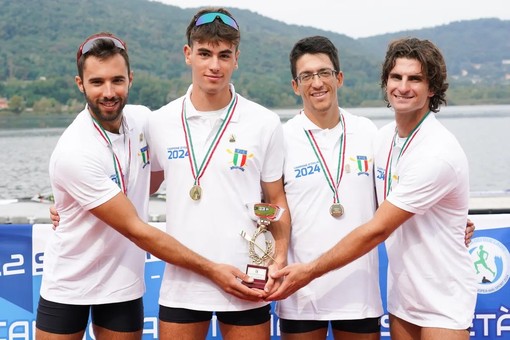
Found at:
<point>259,275</point>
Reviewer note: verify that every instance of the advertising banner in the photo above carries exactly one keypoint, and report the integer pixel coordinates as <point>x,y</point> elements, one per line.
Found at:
<point>22,255</point>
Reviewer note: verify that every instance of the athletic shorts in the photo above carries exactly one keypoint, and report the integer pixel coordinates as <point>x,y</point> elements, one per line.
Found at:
<point>61,318</point>
<point>250,317</point>
<point>369,325</point>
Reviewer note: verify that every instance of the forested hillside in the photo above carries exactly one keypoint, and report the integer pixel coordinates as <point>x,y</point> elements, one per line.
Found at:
<point>39,41</point>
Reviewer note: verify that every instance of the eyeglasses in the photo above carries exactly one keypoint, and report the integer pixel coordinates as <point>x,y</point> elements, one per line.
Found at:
<point>306,78</point>
<point>207,18</point>
<point>87,45</point>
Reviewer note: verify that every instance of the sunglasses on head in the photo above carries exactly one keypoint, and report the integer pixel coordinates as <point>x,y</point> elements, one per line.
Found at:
<point>89,43</point>
<point>207,18</point>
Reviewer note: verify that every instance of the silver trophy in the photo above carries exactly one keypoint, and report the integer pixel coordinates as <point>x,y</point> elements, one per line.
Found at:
<point>261,244</point>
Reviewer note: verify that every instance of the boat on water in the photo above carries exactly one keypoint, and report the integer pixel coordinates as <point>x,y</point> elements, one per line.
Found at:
<point>35,209</point>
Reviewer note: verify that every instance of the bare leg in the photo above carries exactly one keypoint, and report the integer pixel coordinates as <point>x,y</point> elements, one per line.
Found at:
<point>42,335</point>
<point>107,334</point>
<point>428,333</point>
<point>183,331</point>
<point>340,335</point>
<point>257,332</point>
<point>318,334</point>
<point>403,330</point>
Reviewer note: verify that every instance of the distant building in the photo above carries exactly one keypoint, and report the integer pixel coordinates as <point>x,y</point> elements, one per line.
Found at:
<point>4,103</point>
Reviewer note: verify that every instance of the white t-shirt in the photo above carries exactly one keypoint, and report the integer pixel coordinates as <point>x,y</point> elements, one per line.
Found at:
<point>431,279</point>
<point>87,261</point>
<point>250,151</point>
<point>351,292</point>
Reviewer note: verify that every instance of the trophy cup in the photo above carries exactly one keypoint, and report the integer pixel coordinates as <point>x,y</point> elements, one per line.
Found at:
<point>261,243</point>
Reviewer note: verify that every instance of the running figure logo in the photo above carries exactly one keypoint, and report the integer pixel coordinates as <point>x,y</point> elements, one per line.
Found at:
<point>482,260</point>
<point>491,262</point>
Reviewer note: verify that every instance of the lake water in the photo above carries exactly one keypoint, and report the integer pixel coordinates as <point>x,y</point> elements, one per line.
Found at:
<point>483,131</point>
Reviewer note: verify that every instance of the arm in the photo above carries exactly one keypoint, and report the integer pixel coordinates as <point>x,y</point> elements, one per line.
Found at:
<point>357,243</point>
<point>275,194</point>
<point>470,230</point>
<point>54,217</point>
<point>121,215</point>
<point>157,178</point>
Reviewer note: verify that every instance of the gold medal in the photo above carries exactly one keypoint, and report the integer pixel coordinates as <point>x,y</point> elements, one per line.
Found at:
<point>195,193</point>
<point>336,210</point>
<point>198,169</point>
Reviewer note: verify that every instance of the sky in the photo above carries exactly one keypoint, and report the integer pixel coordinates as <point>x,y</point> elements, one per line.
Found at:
<point>363,18</point>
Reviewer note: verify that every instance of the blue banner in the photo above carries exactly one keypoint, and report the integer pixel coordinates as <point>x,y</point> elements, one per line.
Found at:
<point>16,265</point>
<point>22,256</point>
<point>491,262</point>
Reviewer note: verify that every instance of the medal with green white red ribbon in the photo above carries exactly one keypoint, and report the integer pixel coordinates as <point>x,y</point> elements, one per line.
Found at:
<point>389,161</point>
<point>198,171</point>
<point>336,209</point>
<point>121,180</point>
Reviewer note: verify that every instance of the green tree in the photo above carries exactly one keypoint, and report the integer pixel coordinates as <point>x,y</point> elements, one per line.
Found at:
<point>47,105</point>
<point>17,104</point>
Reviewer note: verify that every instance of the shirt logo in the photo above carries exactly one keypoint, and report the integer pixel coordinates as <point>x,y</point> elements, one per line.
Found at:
<point>380,173</point>
<point>307,169</point>
<point>362,164</point>
<point>144,153</point>
<point>115,179</point>
<point>239,158</point>
<point>179,152</point>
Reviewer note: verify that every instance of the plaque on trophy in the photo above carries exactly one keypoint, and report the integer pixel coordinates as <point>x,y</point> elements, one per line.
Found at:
<point>261,243</point>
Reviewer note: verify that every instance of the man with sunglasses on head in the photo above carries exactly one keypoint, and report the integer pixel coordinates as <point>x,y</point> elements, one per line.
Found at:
<point>100,176</point>
<point>219,152</point>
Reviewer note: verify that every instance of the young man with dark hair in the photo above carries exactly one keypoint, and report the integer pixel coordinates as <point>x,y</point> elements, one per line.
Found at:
<point>220,152</point>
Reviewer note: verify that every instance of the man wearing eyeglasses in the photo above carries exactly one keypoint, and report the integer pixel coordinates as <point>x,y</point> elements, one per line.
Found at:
<point>219,152</point>
<point>328,161</point>
<point>422,188</point>
<point>94,262</point>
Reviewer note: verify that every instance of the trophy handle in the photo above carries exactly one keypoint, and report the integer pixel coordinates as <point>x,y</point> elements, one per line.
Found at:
<point>267,253</point>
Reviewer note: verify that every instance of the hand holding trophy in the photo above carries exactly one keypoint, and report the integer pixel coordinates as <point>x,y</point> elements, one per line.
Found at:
<point>261,251</point>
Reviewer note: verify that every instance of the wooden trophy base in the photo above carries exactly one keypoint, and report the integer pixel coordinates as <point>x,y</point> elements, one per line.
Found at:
<point>259,275</point>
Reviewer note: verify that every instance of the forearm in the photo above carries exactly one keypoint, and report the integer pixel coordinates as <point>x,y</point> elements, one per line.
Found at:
<point>362,239</point>
<point>281,234</point>
<point>157,178</point>
<point>274,194</point>
<point>356,244</point>
<point>170,250</point>
<point>121,215</point>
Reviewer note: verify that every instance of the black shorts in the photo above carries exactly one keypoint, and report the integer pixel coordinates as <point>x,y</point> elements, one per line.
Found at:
<point>61,318</point>
<point>250,317</point>
<point>368,325</point>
